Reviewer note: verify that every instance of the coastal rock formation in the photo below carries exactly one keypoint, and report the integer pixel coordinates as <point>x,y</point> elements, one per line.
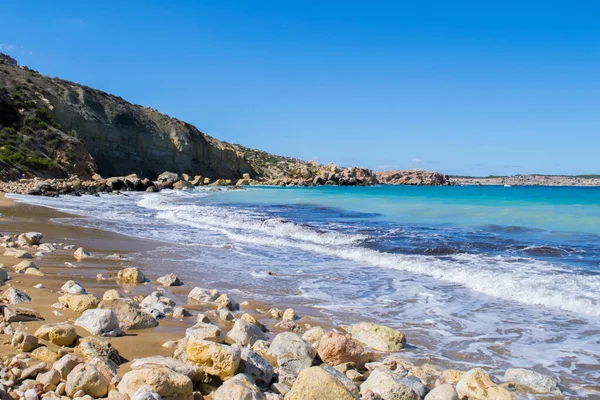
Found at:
<point>412,177</point>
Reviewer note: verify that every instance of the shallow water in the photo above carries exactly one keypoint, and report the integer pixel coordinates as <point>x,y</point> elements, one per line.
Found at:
<point>487,275</point>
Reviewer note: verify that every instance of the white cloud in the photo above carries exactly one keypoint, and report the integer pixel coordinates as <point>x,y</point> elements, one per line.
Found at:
<point>7,47</point>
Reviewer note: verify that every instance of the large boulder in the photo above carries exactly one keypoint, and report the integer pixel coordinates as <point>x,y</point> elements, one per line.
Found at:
<point>245,333</point>
<point>86,378</point>
<point>205,331</point>
<point>72,287</point>
<point>291,352</point>
<point>24,342</point>
<point>202,295</point>
<point>539,383</point>
<point>256,367</point>
<point>388,386</point>
<point>240,387</point>
<point>15,296</point>
<point>378,337</point>
<point>129,314</point>
<point>20,314</point>
<point>60,333</point>
<point>336,348</point>
<point>65,365</point>
<point>191,371</point>
<point>79,302</point>
<point>100,322</point>
<point>214,359</point>
<point>170,385</point>
<point>322,383</point>
<point>476,384</point>
<point>30,238</point>
<point>130,276</point>
<point>314,335</point>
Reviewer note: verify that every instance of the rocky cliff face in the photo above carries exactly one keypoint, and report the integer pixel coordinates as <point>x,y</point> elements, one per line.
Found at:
<point>121,137</point>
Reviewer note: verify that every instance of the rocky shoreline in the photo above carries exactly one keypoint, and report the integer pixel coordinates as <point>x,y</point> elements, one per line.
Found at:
<point>330,175</point>
<point>527,180</point>
<point>235,349</point>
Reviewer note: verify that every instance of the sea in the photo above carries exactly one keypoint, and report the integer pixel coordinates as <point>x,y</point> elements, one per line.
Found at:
<point>490,276</point>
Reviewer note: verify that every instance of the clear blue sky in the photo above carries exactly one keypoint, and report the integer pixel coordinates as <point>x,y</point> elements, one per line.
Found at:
<point>463,87</point>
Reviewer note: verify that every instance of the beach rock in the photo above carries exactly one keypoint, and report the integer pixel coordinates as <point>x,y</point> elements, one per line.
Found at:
<point>451,376</point>
<point>169,280</point>
<point>16,253</point>
<point>73,287</point>
<point>30,238</point>
<point>86,378</point>
<point>60,333</point>
<point>249,318</point>
<point>91,347</point>
<point>51,377</point>
<point>244,333</point>
<point>31,372</point>
<point>289,315</point>
<point>275,313</point>
<point>224,302</point>
<point>79,302</point>
<point>100,322</point>
<point>226,315</point>
<point>34,271</point>
<point>24,342</point>
<point>203,331</point>
<point>314,335</point>
<point>336,348</point>
<point>65,365</point>
<point>129,314</point>
<point>164,381</point>
<point>539,383</point>
<point>378,337</point>
<point>112,294</point>
<point>388,386</point>
<point>213,358</point>
<point>130,276</point>
<point>442,392</point>
<point>322,383</point>
<point>240,387</point>
<point>202,295</point>
<point>158,305</point>
<point>106,367</point>
<point>145,393</point>
<point>180,312</point>
<point>19,314</point>
<point>256,367</point>
<point>291,352</point>
<point>30,394</point>
<point>45,354</point>
<point>81,254</point>
<point>191,371</point>
<point>47,247</point>
<point>21,267</point>
<point>476,384</point>
<point>3,276</point>
<point>15,296</point>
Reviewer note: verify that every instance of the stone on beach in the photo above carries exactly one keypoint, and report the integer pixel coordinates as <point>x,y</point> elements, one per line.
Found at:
<point>16,253</point>
<point>81,254</point>
<point>3,275</point>
<point>164,381</point>
<point>129,314</point>
<point>256,367</point>
<point>540,383</point>
<point>65,365</point>
<point>60,333</point>
<point>443,392</point>
<point>24,342</point>
<point>476,384</point>
<point>20,314</point>
<point>73,287</point>
<point>21,267</point>
<point>158,305</point>
<point>388,386</point>
<point>322,383</point>
<point>240,387</point>
<point>244,333</point>
<point>191,371</point>
<point>224,302</point>
<point>214,359</point>
<point>314,335</point>
<point>15,296</point>
<point>112,294</point>
<point>169,280</point>
<point>45,354</point>
<point>130,276</point>
<point>100,322</point>
<point>249,318</point>
<point>86,378</point>
<point>79,302</point>
<point>205,331</point>
<point>291,352</point>
<point>90,347</point>
<point>202,295</point>
<point>378,337</point>
<point>144,393</point>
<point>30,238</point>
<point>336,348</point>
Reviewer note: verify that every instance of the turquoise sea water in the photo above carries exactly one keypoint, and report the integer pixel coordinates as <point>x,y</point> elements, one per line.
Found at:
<point>491,276</point>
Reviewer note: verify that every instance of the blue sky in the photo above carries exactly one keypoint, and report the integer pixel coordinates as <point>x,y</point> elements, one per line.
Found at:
<point>463,87</point>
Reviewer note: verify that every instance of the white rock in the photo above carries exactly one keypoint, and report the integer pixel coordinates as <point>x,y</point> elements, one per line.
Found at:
<point>81,254</point>
<point>73,288</point>
<point>538,382</point>
<point>100,322</point>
